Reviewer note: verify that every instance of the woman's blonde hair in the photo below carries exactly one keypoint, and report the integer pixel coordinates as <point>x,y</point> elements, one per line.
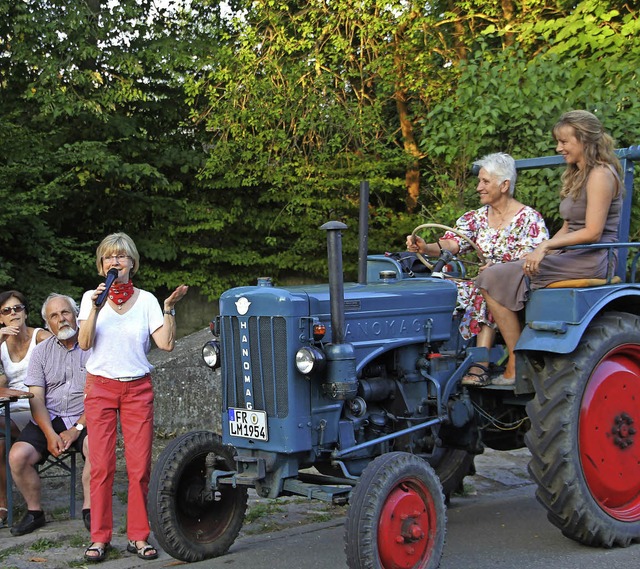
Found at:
<point>598,149</point>
<point>114,244</point>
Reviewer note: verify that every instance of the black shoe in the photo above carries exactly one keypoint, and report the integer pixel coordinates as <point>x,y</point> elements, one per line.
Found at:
<point>86,518</point>
<point>30,522</point>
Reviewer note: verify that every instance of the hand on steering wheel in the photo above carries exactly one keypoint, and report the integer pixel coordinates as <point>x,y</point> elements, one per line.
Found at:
<point>477,250</point>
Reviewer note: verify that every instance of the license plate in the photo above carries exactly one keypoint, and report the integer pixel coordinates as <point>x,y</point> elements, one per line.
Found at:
<point>248,424</point>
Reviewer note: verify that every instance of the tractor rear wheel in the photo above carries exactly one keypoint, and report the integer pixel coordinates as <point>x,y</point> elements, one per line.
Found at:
<point>190,520</point>
<point>583,437</point>
<point>396,516</point>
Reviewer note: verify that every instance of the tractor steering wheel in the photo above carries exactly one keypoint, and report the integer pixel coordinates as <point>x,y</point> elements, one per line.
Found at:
<point>482,260</point>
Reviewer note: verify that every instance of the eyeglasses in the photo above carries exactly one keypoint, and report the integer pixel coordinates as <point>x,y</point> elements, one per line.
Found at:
<point>8,309</point>
<point>119,258</point>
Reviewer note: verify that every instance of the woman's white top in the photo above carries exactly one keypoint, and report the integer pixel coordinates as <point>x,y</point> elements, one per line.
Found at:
<point>122,340</point>
<point>16,372</point>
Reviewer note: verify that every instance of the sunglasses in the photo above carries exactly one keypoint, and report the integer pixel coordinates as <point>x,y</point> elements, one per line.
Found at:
<point>8,309</point>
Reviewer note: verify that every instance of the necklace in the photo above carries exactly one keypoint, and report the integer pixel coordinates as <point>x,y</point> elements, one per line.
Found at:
<point>505,218</point>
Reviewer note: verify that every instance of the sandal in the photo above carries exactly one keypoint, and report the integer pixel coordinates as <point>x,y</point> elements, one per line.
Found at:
<point>100,550</point>
<point>475,379</point>
<point>143,552</point>
<point>3,518</point>
<point>502,380</point>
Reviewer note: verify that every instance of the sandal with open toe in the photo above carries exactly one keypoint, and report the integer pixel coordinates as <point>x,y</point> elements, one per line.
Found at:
<point>100,550</point>
<point>476,379</point>
<point>3,517</point>
<point>145,551</point>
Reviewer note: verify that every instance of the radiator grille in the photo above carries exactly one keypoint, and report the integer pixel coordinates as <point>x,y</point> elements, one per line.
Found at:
<point>267,337</point>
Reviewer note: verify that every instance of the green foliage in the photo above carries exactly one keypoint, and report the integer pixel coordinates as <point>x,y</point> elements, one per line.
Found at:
<point>506,100</point>
<point>222,138</point>
<point>43,544</point>
<point>92,139</point>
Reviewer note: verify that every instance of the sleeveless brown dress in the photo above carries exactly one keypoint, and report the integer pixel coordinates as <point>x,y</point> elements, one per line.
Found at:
<point>507,283</point>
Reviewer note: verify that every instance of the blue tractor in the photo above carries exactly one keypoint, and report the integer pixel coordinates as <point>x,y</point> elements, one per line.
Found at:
<point>351,393</point>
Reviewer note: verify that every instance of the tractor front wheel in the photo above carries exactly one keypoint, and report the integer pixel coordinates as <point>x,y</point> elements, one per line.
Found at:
<point>396,516</point>
<point>191,520</point>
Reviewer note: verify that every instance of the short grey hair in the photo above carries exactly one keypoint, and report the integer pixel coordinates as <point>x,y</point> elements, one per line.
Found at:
<point>500,165</point>
<point>72,303</point>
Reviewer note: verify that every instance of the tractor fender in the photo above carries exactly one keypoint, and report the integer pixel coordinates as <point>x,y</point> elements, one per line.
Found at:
<point>556,319</point>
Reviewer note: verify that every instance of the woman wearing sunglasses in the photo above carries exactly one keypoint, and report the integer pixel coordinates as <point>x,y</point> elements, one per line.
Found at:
<point>17,341</point>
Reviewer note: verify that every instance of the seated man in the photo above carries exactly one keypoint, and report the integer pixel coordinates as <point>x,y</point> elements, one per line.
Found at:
<point>56,377</point>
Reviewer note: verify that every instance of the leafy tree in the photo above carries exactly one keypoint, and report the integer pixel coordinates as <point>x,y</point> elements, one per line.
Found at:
<point>508,100</point>
<point>221,136</point>
<point>94,138</point>
<point>304,100</point>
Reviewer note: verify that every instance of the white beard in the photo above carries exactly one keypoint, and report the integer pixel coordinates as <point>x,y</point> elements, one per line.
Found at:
<point>66,332</point>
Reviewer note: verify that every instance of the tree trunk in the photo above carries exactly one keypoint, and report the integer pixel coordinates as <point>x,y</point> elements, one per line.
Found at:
<point>508,10</point>
<point>412,175</point>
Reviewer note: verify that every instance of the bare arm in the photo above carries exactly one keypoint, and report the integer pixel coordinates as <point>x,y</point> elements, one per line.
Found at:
<point>165,336</point>
<point>39,409</point>
<point>430,249</point>
<point>42,335</point>
<point>41,416</point>
<point>600,190</point>
<point>87,328</point>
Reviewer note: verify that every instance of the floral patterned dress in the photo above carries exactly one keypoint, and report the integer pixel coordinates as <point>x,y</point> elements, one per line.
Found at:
<point>524,233</point>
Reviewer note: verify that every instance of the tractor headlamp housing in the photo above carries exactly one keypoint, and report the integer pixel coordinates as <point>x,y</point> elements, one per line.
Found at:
<point>310,360</point>
<point>211,354</point>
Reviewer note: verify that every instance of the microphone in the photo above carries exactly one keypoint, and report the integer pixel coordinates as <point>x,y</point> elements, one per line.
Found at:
<point>112,275</point>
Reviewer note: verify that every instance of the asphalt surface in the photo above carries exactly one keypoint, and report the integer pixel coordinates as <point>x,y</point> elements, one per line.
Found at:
<point>495,523</point>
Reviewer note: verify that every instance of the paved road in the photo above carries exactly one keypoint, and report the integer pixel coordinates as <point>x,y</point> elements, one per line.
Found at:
<point>507,530</point>
<point>496,524</point>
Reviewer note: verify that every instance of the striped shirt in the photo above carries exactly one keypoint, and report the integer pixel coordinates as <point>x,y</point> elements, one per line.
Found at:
<point>61,372</point>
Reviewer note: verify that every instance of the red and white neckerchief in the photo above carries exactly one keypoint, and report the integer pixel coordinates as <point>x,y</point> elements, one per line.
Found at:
<point>119,293</point>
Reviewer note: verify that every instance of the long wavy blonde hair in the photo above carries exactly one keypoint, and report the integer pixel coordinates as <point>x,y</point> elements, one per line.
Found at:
<point>598,151</point>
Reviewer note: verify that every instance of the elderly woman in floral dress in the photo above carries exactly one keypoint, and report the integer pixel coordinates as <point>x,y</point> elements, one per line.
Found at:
<point>504,229</point>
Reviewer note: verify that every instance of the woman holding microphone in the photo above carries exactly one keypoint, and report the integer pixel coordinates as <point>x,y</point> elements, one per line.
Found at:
<point>119,383</point>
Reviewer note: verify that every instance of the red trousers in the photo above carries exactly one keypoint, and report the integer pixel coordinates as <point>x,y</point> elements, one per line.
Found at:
<point>133,401</point>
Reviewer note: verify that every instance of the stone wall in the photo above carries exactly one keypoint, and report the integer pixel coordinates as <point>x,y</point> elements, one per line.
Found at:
<point>187,392</point>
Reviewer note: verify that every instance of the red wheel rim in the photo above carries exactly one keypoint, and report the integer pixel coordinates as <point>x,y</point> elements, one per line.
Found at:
<point>407,527</point>
<point>608,440</point>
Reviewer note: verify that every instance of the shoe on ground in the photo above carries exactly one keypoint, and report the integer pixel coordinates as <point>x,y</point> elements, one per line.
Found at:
<point>3,517</point>
<point>30,522</point>
<point>145,551</point>
<point>99,550</point>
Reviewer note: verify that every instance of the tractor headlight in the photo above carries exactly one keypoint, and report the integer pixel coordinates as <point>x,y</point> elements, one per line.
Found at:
<point>211,354</point>
<point>309,360</point>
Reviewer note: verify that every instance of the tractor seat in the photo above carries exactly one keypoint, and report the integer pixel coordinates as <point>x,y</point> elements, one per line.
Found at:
<point>583,283</point>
